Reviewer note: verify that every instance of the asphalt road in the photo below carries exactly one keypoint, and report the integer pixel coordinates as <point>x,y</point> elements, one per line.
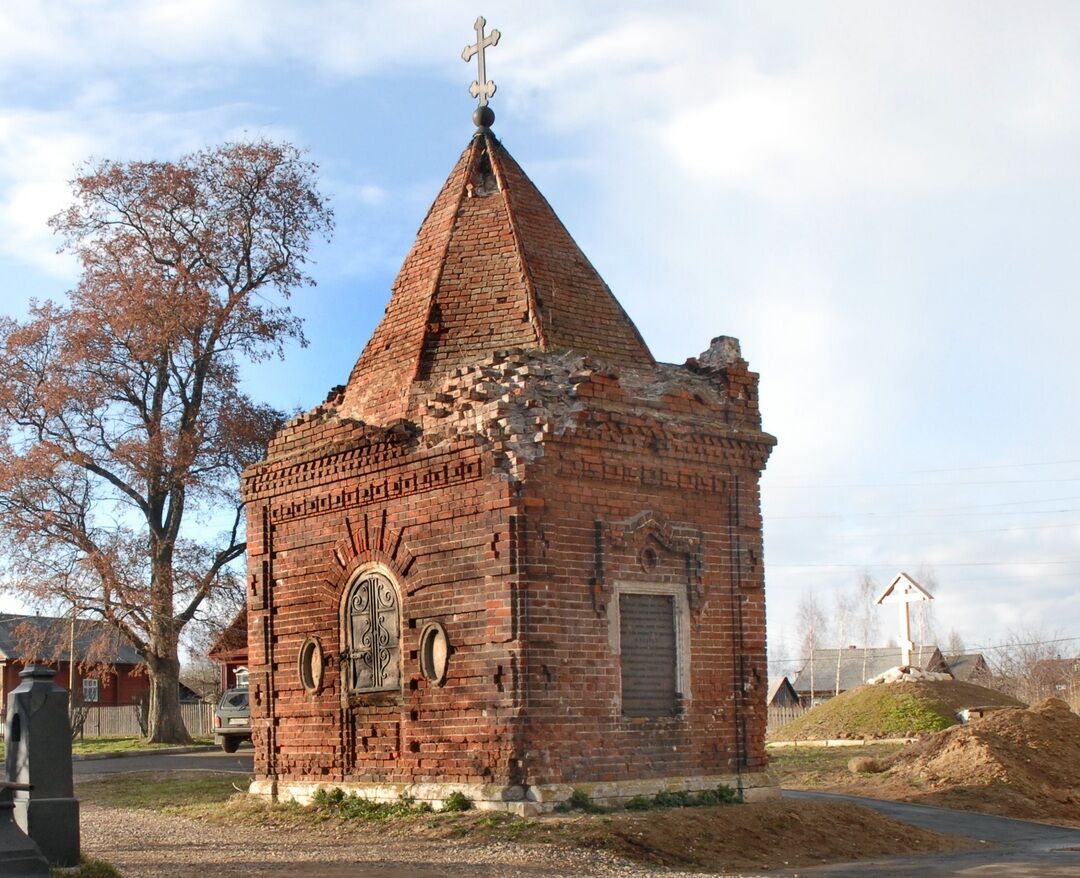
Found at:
<point>1017,848</point>
<point>208,760</point>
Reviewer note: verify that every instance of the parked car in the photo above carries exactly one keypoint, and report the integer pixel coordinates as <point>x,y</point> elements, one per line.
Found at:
<point>232,719</point>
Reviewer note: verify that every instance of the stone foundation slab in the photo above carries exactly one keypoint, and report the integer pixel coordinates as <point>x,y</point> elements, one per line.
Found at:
<point>525,799</point>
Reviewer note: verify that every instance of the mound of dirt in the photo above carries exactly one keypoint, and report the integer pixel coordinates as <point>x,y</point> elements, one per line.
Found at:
<point>1021,763</point>
<point>761,835</point>
<point>891,710</point>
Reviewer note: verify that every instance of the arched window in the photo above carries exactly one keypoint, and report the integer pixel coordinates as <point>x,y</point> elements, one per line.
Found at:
<point>372,634</point>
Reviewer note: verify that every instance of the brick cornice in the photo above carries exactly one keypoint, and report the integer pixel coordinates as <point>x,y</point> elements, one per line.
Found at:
<point>298,472</point>
<point>351,491</point>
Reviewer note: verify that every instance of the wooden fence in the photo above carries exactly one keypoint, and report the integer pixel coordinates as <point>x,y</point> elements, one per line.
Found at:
<point>123,722</point>
<point>778,716</point>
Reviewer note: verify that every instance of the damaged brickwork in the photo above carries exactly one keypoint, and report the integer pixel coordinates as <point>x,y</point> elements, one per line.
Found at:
<point>513,496</point>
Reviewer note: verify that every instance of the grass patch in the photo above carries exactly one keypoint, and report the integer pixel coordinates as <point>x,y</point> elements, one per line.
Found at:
<point>457,802</point>
<point>722,795</point>
<point>579,801</point>
<point>97,746</point>
<point>825,767</point>
<point>92,746</point>
<point>216,798</point>
<point>885,711</point>
<point>336,803</point>
<point>88,869</point>
<point>150,791</point>
<point>891,710</point>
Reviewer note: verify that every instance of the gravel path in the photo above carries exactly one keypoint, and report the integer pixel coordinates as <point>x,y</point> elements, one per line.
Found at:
<point>143,844</point>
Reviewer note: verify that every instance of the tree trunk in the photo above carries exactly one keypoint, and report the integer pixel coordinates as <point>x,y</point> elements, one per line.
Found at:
<point>165,725</point>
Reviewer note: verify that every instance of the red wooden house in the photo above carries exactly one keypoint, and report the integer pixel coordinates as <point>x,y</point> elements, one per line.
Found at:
<point>108,669</point>
<point>230,651</point>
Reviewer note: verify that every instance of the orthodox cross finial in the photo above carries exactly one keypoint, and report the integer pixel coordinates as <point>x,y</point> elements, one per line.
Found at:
<point>482,88</point>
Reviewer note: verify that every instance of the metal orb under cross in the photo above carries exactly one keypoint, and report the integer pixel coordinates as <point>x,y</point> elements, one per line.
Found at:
<point>482,88</point>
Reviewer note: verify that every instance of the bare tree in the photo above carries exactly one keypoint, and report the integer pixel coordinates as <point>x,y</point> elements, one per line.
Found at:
<point>200,673</point>
<point>813,625</point>
<point>123,428</point>
<point>779,655</point>
<point>923,611</point>
<point>1030,665</point>
<point>867,593</point>
<point>843,612</point>
<point>954,644</point>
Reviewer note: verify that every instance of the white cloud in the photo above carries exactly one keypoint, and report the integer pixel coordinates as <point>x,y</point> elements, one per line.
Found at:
<point>41,150</point>
<point>366,194</point>
<point>795,175</point>
<point>38,153</point>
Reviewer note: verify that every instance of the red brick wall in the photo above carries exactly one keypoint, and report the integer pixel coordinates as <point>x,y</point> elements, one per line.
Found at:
<point>581,540</point>
<point>447,548</point>
<point>517,552</point>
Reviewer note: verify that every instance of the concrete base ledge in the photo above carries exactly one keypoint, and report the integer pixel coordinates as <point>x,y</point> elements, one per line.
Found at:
<point>524,799</point>
<point>839,742</point>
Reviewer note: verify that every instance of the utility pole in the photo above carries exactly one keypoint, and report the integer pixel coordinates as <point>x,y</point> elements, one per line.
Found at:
<point>71,663</point>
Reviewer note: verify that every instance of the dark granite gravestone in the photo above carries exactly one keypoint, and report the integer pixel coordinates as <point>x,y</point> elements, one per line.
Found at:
<point>39,755</point>
<point>19,856</point>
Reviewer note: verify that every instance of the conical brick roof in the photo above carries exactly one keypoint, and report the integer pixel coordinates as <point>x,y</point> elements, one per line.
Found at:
<point>492,268</point>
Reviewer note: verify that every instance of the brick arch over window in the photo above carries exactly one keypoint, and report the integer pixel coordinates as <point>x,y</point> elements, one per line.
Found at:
<point>371,541</point>
<point>371,633</point>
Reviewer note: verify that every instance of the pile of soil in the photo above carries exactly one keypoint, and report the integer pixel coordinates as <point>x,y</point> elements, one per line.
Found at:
<point>762,835</point>
<point>1020,763</point>
<point>891,710</point>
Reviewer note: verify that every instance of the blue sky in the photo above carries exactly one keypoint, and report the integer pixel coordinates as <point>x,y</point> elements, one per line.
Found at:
<point>879,200</point>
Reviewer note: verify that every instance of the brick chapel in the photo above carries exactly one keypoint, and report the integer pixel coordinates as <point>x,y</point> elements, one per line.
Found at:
<point>514,555</point>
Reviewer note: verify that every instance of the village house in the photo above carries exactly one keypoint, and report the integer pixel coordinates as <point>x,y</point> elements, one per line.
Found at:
<point>782,694</point>
<point>1054,678</point>
<point>230,651</point>
<point>854,665</point>
<point>107,668</point>
<point>970,667</point>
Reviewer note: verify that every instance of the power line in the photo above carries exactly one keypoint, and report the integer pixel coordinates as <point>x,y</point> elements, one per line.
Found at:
<point>922,512</point>
<point>1029,643</point>
<point>968,506</point>
<point>960,469</point>
<point>988,530</point>
<point>819,485</point>
<point>896,566</point>
<point>1041,575</point>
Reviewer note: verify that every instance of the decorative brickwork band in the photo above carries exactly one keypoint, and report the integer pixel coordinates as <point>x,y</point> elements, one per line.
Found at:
<point>379,490</point>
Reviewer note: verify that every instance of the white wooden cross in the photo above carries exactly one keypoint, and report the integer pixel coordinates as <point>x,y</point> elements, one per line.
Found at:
<point>483,88</point>
<point>904,591</point>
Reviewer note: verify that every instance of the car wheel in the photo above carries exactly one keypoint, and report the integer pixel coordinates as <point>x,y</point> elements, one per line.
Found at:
<point>229,745</point>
